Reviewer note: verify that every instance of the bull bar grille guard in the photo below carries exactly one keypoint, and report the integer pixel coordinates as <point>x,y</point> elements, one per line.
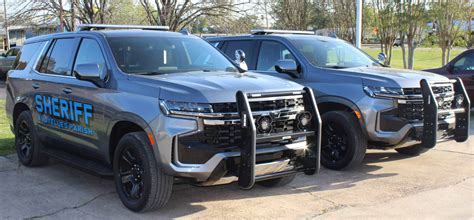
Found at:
<point>431,113</point>
<point>311,162</point>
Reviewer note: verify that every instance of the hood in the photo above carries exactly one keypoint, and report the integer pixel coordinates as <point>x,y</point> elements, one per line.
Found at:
<point>384,76</point>
<point>214,87</point>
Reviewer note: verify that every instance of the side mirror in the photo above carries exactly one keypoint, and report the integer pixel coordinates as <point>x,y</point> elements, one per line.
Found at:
<point>3,54</point>
<point>287,66</point>
<point>381,57</point>
<point>240,59</point>
<point>90,72</point>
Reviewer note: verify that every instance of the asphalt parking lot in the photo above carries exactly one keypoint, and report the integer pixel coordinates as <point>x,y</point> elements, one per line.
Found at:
<point>438,184</point>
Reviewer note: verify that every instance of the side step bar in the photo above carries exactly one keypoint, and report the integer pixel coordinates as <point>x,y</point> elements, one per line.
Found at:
<point>431,113</point>
<point>311,162</point>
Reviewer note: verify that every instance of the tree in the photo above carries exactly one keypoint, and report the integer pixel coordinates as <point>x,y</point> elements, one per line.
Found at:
<point>342,16</point>
<point>294,14</point>
<point>412,24</point>
<point>447,15</point>
<point>468,19</point>
<point>386,22</point>
<point>84,11</point>
<point>179,14</point>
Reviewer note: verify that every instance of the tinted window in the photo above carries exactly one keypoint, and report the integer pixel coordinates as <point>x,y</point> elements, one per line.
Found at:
<point>58,59</point>
<point>247,46</point>
<point>89,52</point>
<point>335,54</point>
<point>25,55</point>
<point>12,52</point>
<point>270,53</point>
<point>466,63</point>
<point>156,55</point>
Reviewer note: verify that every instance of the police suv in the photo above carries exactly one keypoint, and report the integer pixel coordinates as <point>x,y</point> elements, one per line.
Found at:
<point>148,106</point>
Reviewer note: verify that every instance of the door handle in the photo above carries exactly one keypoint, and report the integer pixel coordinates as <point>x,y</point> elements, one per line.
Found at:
<point>35,85</point>
<point>67,90</point>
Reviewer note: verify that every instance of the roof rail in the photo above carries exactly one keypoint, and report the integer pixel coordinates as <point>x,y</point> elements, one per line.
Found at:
<point>91,27</point>
<point>270,31</point>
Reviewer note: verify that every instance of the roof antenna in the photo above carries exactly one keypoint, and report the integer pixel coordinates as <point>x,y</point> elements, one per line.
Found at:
<point>184,31</point>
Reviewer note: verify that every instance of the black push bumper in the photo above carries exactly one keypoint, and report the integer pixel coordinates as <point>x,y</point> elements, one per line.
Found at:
<point>431,113</point>
<point>311,161</point>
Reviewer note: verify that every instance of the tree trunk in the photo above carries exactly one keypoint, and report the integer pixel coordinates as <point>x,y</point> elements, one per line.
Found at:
<point>448,55</point>
<point>443,56</point>
<point>404,55</point>
<point>411,56</point>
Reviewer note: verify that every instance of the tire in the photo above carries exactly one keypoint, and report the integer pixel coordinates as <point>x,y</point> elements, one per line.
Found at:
<point>343,145</point>
<point>139,181</point>
<point>28,147</point>
<point>414,150</point>
<point>277,182</point>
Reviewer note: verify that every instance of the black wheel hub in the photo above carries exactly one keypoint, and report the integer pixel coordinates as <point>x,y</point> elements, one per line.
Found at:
<point>335,144</point>
<point>131,174</point>
<point>24,140</point>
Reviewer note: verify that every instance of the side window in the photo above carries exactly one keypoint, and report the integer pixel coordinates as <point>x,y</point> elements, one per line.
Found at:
<point>58,59</point>
<point>270,53</point>
<point>10,52</point>
<point>247,46</point>
<point>466,63</point>
<point>25,55</point>
<point>89,52</point>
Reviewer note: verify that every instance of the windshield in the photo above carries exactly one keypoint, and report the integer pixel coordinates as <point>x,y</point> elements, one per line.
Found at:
<point>159,55</point>
<point>332,53</point>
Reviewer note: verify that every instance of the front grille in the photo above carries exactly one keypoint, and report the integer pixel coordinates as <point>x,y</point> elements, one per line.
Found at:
<point>266,105</point>
<point>436,90</point>
<point>413,109</point>
<point>271,116</point>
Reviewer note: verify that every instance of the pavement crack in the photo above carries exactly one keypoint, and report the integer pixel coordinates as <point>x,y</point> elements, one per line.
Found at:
<point>8,170</point>
<point>334,205</point>
<point>456,152</point>
<point>70,208</point>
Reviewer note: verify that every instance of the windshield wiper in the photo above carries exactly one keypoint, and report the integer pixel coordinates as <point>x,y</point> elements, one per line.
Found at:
<point>151,73</point>
<point>336,67</point>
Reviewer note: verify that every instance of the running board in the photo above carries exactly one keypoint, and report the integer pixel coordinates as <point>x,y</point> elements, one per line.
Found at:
<point>311,161</point>
<point>431,113</point>
<point>86,165</point>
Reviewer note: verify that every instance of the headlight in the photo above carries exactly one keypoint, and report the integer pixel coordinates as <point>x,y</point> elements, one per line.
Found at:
<point>185,108</point>
<point>384,92</point>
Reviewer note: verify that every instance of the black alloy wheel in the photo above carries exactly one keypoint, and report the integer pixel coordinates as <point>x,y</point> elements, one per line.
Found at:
<point>334,142</point>
<point>131,173</point>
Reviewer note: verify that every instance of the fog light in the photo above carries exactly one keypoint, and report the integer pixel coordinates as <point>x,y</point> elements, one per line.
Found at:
<point>440,102</point>
<point>459,101</point>
<point>303,119</point>
<point>264,124</point>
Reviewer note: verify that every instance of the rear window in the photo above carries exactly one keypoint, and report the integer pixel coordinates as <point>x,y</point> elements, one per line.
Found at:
<point>25,55</point>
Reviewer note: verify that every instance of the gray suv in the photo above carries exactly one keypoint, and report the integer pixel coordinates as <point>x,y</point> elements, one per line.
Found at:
<point>150,106</point>
<point>363,103</point>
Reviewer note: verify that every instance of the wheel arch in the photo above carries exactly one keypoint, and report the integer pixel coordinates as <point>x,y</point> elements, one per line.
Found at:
<point>18,109</point>
<point>123,124</point>
<point>333,103</point>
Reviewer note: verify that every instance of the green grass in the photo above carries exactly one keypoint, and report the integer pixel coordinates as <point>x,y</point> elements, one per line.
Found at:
<point>6,136</point>
<point>425,58</point>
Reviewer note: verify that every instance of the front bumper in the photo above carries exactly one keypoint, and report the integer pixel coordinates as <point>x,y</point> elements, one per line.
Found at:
<point>253,157</point>
<point>423,120</point>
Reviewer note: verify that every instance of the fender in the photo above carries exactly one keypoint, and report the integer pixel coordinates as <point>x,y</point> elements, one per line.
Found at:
<point>126,116</point>
<point>346,102</point>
